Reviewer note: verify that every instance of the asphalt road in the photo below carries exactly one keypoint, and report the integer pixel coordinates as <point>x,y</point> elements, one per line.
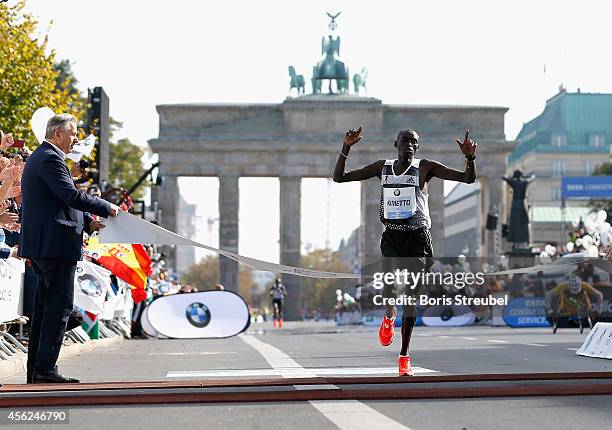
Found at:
<point>311,349</point>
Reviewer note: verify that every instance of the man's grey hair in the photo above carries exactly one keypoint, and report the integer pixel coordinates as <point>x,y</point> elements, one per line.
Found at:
<point>59,122</point>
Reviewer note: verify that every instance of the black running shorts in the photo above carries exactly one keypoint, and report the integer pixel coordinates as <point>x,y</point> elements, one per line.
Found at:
<point>411,250</point>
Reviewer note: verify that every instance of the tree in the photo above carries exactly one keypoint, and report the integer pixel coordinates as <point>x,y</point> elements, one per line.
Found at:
<point>602,170</point>
<point>205,276</point>
<point>126,166</point>
<point>320,294</point>
<point>28,78</point>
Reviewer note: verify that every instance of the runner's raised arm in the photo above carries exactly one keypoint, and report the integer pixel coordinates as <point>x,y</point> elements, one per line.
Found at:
<point>351,137</point>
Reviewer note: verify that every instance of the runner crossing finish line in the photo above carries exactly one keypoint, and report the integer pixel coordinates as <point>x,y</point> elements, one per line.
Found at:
<point>404,212</point>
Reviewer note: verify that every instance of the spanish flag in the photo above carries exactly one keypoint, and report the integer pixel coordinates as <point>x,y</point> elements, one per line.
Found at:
<point>129,263</point>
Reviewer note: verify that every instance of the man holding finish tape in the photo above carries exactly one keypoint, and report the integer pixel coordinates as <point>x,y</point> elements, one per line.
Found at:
<point>404,212</point>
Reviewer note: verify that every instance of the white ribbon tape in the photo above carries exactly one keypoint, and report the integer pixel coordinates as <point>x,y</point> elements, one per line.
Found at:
<point>127,228</point>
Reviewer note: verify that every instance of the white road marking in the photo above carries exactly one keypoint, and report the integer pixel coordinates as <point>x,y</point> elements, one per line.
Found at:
<point>292,372</point>
<point>351,414</point>
<point>318,387</point>
<point>498,341</point>
<point>444,337</point>
<point>191,353</point>
<point>572,349</point>
<point>277,359</point>
<point>534,344</point>
<point>469,338</point>
<point>346,414</point>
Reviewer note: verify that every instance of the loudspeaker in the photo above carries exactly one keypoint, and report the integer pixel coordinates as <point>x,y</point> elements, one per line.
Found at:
<point>492,222</point>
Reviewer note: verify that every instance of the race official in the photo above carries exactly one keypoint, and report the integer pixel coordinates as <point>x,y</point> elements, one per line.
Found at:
<point>54,216</point>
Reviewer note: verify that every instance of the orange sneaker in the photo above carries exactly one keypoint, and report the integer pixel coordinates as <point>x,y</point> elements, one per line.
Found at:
<point>280,323</point>
<point>275,323</point>
<point>405,366</point>
<point>386,333</point>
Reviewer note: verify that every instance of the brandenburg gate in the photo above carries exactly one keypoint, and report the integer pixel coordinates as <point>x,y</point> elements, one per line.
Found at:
<point>300,138</point>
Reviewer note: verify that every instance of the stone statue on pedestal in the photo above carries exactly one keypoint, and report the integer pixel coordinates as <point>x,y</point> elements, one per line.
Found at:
<point>519,218</point>
<point>330,67</point>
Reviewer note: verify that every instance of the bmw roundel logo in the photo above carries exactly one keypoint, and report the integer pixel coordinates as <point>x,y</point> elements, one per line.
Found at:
<point>197,314</point>
<point>90,285</point>
<point>396,192</point>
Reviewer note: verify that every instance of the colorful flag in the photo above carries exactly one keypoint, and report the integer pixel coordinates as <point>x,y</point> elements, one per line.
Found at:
<point>91,325</point>
<point>128,262</point>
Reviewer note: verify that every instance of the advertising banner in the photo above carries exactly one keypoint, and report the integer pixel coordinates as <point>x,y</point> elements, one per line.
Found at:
<point>91,282</point>
<point>598,343</point>
<point>586,187</point>
<point>209,314</point>
<point>11,285</point>
<point>526,312</point>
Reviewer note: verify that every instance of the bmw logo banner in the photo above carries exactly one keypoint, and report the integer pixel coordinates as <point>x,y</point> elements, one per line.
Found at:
<point>198,315</point>
<point>208,314</point>
<point>91,282</point>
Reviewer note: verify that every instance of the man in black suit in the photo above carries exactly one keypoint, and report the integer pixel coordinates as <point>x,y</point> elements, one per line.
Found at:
<point>54,216</point>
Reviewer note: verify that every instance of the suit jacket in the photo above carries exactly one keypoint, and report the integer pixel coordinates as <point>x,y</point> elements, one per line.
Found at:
<point>52,219</point>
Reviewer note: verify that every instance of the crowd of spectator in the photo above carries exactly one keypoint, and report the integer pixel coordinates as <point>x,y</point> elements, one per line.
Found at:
<point>13,155</point>
<point>12,161</point>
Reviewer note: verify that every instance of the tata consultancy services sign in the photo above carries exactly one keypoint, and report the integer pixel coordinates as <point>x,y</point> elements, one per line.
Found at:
<point>586,187</point>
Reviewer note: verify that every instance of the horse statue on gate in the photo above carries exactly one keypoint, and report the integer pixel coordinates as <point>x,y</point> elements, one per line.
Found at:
<point>359,80</point>
<point>296,81</point>
<point>330,67</point>
<point>343,84</point>
<point>316,83</point>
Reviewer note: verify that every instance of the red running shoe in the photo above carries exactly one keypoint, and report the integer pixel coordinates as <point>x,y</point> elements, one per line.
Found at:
<point>405,366</point>
<point>386,333</point>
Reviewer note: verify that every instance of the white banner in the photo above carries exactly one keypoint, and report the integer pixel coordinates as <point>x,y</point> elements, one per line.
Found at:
<point>208,314</point>
<point>147,327</point>
<point>11,285</point>
<point>598,343</point>
<point>82,149</point>
<point>127,228</point>
<point>91,282</point>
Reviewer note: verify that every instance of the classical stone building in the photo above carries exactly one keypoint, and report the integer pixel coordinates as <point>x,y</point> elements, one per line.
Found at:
<point>186,227</point>
<point>301,137</point>
<point>570,137</point>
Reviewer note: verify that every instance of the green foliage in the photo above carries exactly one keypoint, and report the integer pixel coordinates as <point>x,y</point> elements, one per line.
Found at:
<point>321,293</point>
<point>126,166</point>
<point>204,275</point>
<point>28,76</point>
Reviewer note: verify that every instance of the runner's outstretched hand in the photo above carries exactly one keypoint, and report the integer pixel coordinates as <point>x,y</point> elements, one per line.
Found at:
<point>352,136</point>
<point>468,146</point>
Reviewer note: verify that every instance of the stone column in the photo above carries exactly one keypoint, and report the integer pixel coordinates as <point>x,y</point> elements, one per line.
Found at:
<point>436,213</point>
<point>497,197</point>
<point>229,198</point>
<point>371,228</point>
<point>168,202</point>
<point>290,240</point>
<point>492,192</point>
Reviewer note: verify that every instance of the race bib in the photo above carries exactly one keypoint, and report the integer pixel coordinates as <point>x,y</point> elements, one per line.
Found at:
<point>400,203</point>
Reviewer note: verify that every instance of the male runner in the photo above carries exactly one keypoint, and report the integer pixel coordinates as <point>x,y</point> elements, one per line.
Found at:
<point>278,293</point>
<point>405,213</point>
